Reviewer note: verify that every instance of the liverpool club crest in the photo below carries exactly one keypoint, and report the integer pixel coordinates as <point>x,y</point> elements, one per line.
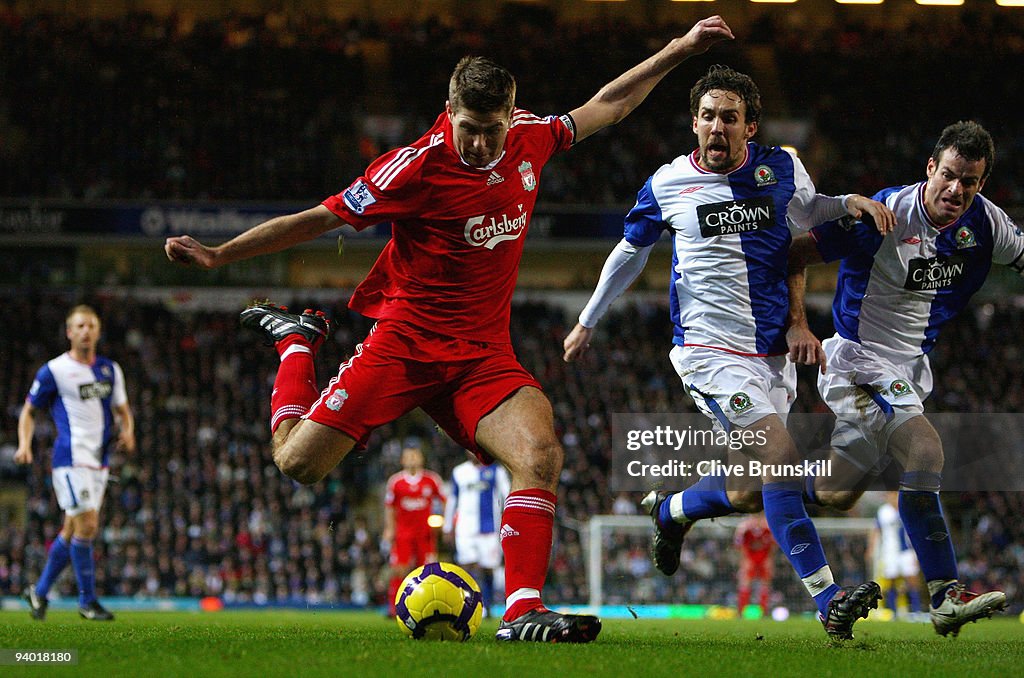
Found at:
<point>527,175</point>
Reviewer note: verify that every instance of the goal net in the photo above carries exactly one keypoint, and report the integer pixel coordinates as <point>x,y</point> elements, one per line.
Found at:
<point>620,571</point>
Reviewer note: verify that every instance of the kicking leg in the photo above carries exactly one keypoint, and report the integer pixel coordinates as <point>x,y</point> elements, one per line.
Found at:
<point>304,450</point>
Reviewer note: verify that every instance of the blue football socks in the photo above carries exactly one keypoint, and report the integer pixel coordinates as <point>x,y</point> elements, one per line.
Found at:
<point>925,524</point>
<point>85,571</point>
<point>706,498</point>
<point>56,561</point>
<point>796,536</point>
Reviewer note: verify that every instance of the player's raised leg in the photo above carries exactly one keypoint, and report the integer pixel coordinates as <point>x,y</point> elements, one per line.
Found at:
<point>304,450</point>
<point>520,434</point>
<point>673,514</point>
<point>917,445</point>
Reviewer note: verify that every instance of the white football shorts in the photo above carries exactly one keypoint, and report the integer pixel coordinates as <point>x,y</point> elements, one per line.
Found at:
<point>734,390</point>
<point>900,564</point>
<point>871,397</point>
<point>482,549</point>
<point>79,489</point>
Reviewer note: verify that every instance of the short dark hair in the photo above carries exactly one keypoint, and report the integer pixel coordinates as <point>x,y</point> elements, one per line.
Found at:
<point>726,79</point>
<point>479,84</point>
<point>970,140</point>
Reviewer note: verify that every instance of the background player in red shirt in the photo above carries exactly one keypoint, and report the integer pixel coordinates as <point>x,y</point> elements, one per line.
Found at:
<point>409,501</point>
<point>757,562</point>
<point>459,200</point>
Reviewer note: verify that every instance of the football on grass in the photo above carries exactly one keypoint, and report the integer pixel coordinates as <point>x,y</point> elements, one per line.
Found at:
<point>439,601</point>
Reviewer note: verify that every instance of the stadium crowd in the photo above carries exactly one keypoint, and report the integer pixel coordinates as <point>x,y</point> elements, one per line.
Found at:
<point>287,106</point>
<point>201,509</point>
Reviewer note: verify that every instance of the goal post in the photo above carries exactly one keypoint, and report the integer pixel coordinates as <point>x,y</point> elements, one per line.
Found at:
<point>618,574</point>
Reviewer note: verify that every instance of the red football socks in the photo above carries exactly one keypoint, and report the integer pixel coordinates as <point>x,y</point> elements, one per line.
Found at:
<point>526,527</point>
<point>295,385</point>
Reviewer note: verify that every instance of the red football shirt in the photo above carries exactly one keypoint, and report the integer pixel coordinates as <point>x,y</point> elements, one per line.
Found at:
<point>412,499</point>
<point>457,231</point>
<point>755,539</point>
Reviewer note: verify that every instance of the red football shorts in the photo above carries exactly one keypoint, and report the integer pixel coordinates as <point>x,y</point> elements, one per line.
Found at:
<point>755,568</point>
<point>400,367</point>
<point>413,550</point>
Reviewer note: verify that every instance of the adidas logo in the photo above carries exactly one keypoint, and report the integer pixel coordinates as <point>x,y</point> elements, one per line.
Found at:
<point>494,178</point>
<point>270,323</point>
<point>507,531</point>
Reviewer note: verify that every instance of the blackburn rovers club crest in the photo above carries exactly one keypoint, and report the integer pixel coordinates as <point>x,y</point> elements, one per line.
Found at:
<point>764,176</point>
<point>899,388</point>
<point>527,175</point>
<point>740,402</point>
<point>965,238</point>
<point>337,399</point>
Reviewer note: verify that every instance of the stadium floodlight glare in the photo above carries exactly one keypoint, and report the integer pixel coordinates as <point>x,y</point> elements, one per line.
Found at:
<point>945,3</point>
<point>776,2</point>
<point>860,2</point>
<point>1010,3</point>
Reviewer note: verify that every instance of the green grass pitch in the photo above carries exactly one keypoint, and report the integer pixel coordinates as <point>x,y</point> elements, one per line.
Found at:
<point>305,644</point>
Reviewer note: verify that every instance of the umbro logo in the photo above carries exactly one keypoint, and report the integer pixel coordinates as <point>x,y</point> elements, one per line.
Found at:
<point>690,189</point>
<point>912,240</point>
<point>494,178</point>
<point>507,531</point>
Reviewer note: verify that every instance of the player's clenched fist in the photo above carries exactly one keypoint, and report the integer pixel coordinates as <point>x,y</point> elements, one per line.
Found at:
<point>184,249</point>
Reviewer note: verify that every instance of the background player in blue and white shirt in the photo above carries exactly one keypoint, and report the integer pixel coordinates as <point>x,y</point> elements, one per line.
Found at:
<point>86,396</point>
<point>730,206</point>
<point>893,296</point>
<point>473,516</point>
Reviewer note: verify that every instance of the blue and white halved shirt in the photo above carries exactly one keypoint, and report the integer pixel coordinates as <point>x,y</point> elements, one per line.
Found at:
<point>81,398</point>
<point>894,293</point>
<point>731,234</point>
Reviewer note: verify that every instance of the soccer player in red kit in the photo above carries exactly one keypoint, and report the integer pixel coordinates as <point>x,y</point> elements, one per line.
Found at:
<point>459,201</point>
<point>408,504</point>
<point>756,545</point>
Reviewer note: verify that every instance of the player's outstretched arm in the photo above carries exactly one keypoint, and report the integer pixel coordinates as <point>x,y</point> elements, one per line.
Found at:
<point>804,347</point>
<point>617,99</point>
<point>621,268</point>
<point>26,429</point>
<point>274,235</point>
